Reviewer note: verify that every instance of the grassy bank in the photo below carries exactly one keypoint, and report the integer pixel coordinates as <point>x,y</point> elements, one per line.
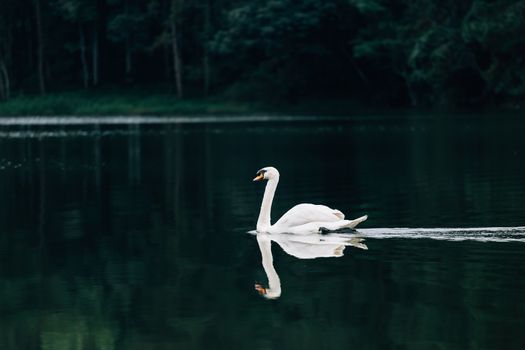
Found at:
<point>117,103</point>
<point>141,103</point>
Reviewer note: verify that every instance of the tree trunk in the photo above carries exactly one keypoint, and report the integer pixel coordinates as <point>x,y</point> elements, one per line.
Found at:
<point>166,52</point>
<point>3,92</point>
<point>29,42</point>
<point>177,63</point>
<point>206,72</point>
<point>83,60</point>
<point>128,60</point>
<point>5,86</point>
<point>2,89</point>
<point>101,40</point>
<point>40,48</point>
<point>6,58</point>
<point>95,55</point>
<point>127,48</point>
<point>206,54</point>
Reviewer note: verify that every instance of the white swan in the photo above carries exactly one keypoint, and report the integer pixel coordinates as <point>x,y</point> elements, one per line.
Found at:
<point>301,247</point>
<point>301,219</point>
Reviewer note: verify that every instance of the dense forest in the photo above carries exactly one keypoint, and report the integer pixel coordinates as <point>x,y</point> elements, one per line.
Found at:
<point>422,53</point>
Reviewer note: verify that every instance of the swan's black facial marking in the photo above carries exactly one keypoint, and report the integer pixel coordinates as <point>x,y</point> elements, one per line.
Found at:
<point>260,175</point>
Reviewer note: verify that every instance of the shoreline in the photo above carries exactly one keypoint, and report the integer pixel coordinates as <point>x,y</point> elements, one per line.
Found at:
<point>126,104</point>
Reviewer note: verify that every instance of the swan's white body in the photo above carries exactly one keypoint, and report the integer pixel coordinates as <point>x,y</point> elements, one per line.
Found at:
<point>303,218</point>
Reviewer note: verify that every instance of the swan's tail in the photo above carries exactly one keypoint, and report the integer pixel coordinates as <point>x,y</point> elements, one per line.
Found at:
<point>343,226</point>
<point>355,222</point>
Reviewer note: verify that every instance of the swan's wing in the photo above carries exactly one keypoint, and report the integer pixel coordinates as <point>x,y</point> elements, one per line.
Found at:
<point>315,227</point>
<point>304,213</point>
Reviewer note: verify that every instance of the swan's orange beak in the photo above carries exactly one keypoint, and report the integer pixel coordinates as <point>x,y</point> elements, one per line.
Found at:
<point>259,177</point>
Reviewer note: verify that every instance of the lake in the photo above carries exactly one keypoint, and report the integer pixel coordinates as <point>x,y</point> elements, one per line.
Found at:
<point>133,233</point>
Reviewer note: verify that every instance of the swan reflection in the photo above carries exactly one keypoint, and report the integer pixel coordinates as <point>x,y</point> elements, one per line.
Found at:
<point>301,247</point>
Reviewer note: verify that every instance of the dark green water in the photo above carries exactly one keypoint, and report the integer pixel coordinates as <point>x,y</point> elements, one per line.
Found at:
<point>134,236</point>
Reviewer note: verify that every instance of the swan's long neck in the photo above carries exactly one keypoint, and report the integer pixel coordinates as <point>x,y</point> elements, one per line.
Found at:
<point>264,221</point>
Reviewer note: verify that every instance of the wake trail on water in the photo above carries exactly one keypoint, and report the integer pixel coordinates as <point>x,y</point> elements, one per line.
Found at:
<point>480,234</point>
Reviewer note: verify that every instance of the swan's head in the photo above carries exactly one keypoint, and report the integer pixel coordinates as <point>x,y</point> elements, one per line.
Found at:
<point>267,173</point>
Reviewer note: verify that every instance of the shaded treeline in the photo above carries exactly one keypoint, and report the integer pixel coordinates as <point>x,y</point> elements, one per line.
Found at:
<point>401,53</point>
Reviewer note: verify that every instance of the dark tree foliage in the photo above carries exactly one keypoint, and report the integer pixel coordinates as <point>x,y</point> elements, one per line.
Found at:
<point>289,48</point>
<point>398,52</point>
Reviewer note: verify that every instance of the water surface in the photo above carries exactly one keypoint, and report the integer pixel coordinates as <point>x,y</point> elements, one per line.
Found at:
<point>132,234</point>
